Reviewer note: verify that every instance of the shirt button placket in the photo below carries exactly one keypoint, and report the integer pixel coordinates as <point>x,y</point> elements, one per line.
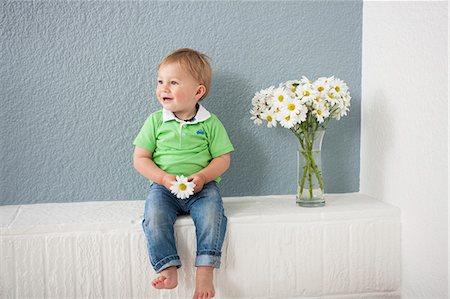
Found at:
<point>180,133</point>
<point>182,126</point>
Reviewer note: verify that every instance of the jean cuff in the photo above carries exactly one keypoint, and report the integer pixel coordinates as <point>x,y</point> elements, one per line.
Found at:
<point>172,261</point>
<point>207,260</point>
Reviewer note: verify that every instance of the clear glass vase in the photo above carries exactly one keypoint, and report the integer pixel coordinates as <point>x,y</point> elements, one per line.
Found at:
<point>309,170</point>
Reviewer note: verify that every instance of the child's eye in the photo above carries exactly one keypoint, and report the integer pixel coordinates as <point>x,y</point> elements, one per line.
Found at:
<point>160,82</point>
<point>174,82</point>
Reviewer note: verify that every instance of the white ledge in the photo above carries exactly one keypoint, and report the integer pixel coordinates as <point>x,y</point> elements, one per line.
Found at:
<point>101,215</point>
<point>273,249</point>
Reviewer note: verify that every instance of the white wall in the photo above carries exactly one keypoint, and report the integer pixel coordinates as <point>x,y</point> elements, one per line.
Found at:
<point>404,132</point>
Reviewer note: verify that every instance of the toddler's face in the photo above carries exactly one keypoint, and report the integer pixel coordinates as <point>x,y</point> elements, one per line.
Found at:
<point>177,90</point>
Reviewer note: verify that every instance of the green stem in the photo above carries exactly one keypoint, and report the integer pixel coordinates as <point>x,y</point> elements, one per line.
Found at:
<point>310,184</point>
<point>302,183</point>
<point>318,174</point>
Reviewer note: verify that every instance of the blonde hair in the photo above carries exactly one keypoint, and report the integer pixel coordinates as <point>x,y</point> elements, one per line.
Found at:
<point>194,62</point>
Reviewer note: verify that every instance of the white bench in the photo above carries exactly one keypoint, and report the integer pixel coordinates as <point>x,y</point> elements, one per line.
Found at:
<point>273,249</point>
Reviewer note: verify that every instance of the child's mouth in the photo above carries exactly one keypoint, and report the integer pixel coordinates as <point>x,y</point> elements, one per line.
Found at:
<point>167,99</point>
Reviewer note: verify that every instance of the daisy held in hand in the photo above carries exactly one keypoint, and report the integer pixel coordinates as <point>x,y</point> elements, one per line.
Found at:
<point>181,188</point>
<point>304,107</point>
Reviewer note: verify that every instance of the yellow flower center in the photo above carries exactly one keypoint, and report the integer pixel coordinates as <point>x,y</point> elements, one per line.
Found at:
<point>294,89</point>
<point>317,99</point>
<point>291,107</point>
<point>306,93</point>
<point>287,118</point>
<point>331,95</point>
<point>182,187</point>
<point>269,118</point>
<point>321,88</point>
<point>337,88</point>
<point>277,110</point>
<point>319,112</point>
<point>280,98</point>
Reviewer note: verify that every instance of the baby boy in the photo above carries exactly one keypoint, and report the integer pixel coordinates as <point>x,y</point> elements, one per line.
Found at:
<point>183,139</point>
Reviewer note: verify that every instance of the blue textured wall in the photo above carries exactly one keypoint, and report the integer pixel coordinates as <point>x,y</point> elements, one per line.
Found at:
<point>78,81</point>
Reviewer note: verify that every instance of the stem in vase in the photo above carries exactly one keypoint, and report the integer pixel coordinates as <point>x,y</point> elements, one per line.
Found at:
<point>310,184</point>
<point>302,182</point>
<point>317,173</point>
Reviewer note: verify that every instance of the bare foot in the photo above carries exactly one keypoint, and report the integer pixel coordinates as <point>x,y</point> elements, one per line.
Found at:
<point>204,287</point>
<point>167,279</point>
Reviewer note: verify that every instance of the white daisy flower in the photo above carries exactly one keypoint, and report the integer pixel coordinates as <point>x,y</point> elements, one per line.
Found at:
<point>333,97</point>
<point>257,100</point>
<point>292,85</point>
<point>346,99</point>
<point>287,120</point>
<point>344,105</point>
<point>341,113</point>
<point>306,93</point>
<point>321,86</point>
<point>318,101</point>
<point>301,116</point>
<point>270,117</point>
<point>339,86</point>
<point>291,106</point>
<point>321,112</point>
<point>279,96</point>
<point>182,188</point>
<point>256,117</point>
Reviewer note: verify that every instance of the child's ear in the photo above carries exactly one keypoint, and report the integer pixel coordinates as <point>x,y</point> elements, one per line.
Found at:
<point>200,91</point>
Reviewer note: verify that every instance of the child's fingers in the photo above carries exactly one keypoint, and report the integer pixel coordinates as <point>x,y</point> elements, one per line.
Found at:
<point>198,188</point>
<point>194,180</point>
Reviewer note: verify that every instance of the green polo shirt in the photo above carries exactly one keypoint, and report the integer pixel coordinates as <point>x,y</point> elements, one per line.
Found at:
<point>183,148</point>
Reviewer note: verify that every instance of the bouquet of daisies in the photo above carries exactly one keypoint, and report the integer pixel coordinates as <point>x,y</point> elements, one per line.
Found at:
<point>298,102</point>
<point>304,107</point>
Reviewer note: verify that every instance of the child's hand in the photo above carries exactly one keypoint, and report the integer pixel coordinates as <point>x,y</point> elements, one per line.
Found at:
<point>199,180</point>
<point>167,180</point>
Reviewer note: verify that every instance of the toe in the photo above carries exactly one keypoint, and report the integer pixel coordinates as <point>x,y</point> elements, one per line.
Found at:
<point>157,282</point>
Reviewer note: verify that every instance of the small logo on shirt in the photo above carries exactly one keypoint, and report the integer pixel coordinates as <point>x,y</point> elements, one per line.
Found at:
<point>199,132</point>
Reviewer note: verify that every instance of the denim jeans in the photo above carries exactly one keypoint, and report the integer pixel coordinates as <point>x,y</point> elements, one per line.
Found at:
<point>161,211</point>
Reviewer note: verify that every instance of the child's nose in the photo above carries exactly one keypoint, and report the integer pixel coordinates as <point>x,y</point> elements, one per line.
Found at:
<point>164,87</point>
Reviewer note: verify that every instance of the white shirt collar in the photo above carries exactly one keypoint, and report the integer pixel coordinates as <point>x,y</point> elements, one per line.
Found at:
<point>202,115</point>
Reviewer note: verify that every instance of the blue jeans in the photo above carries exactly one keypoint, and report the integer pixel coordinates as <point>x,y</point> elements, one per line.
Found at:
<point>161,211</point>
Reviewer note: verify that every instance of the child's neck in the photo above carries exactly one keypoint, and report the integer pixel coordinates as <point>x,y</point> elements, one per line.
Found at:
<point>188,116</point>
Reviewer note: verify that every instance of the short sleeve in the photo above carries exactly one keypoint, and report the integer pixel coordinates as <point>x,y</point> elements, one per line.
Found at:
<point>146,138</point>
<point>219,142</point>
